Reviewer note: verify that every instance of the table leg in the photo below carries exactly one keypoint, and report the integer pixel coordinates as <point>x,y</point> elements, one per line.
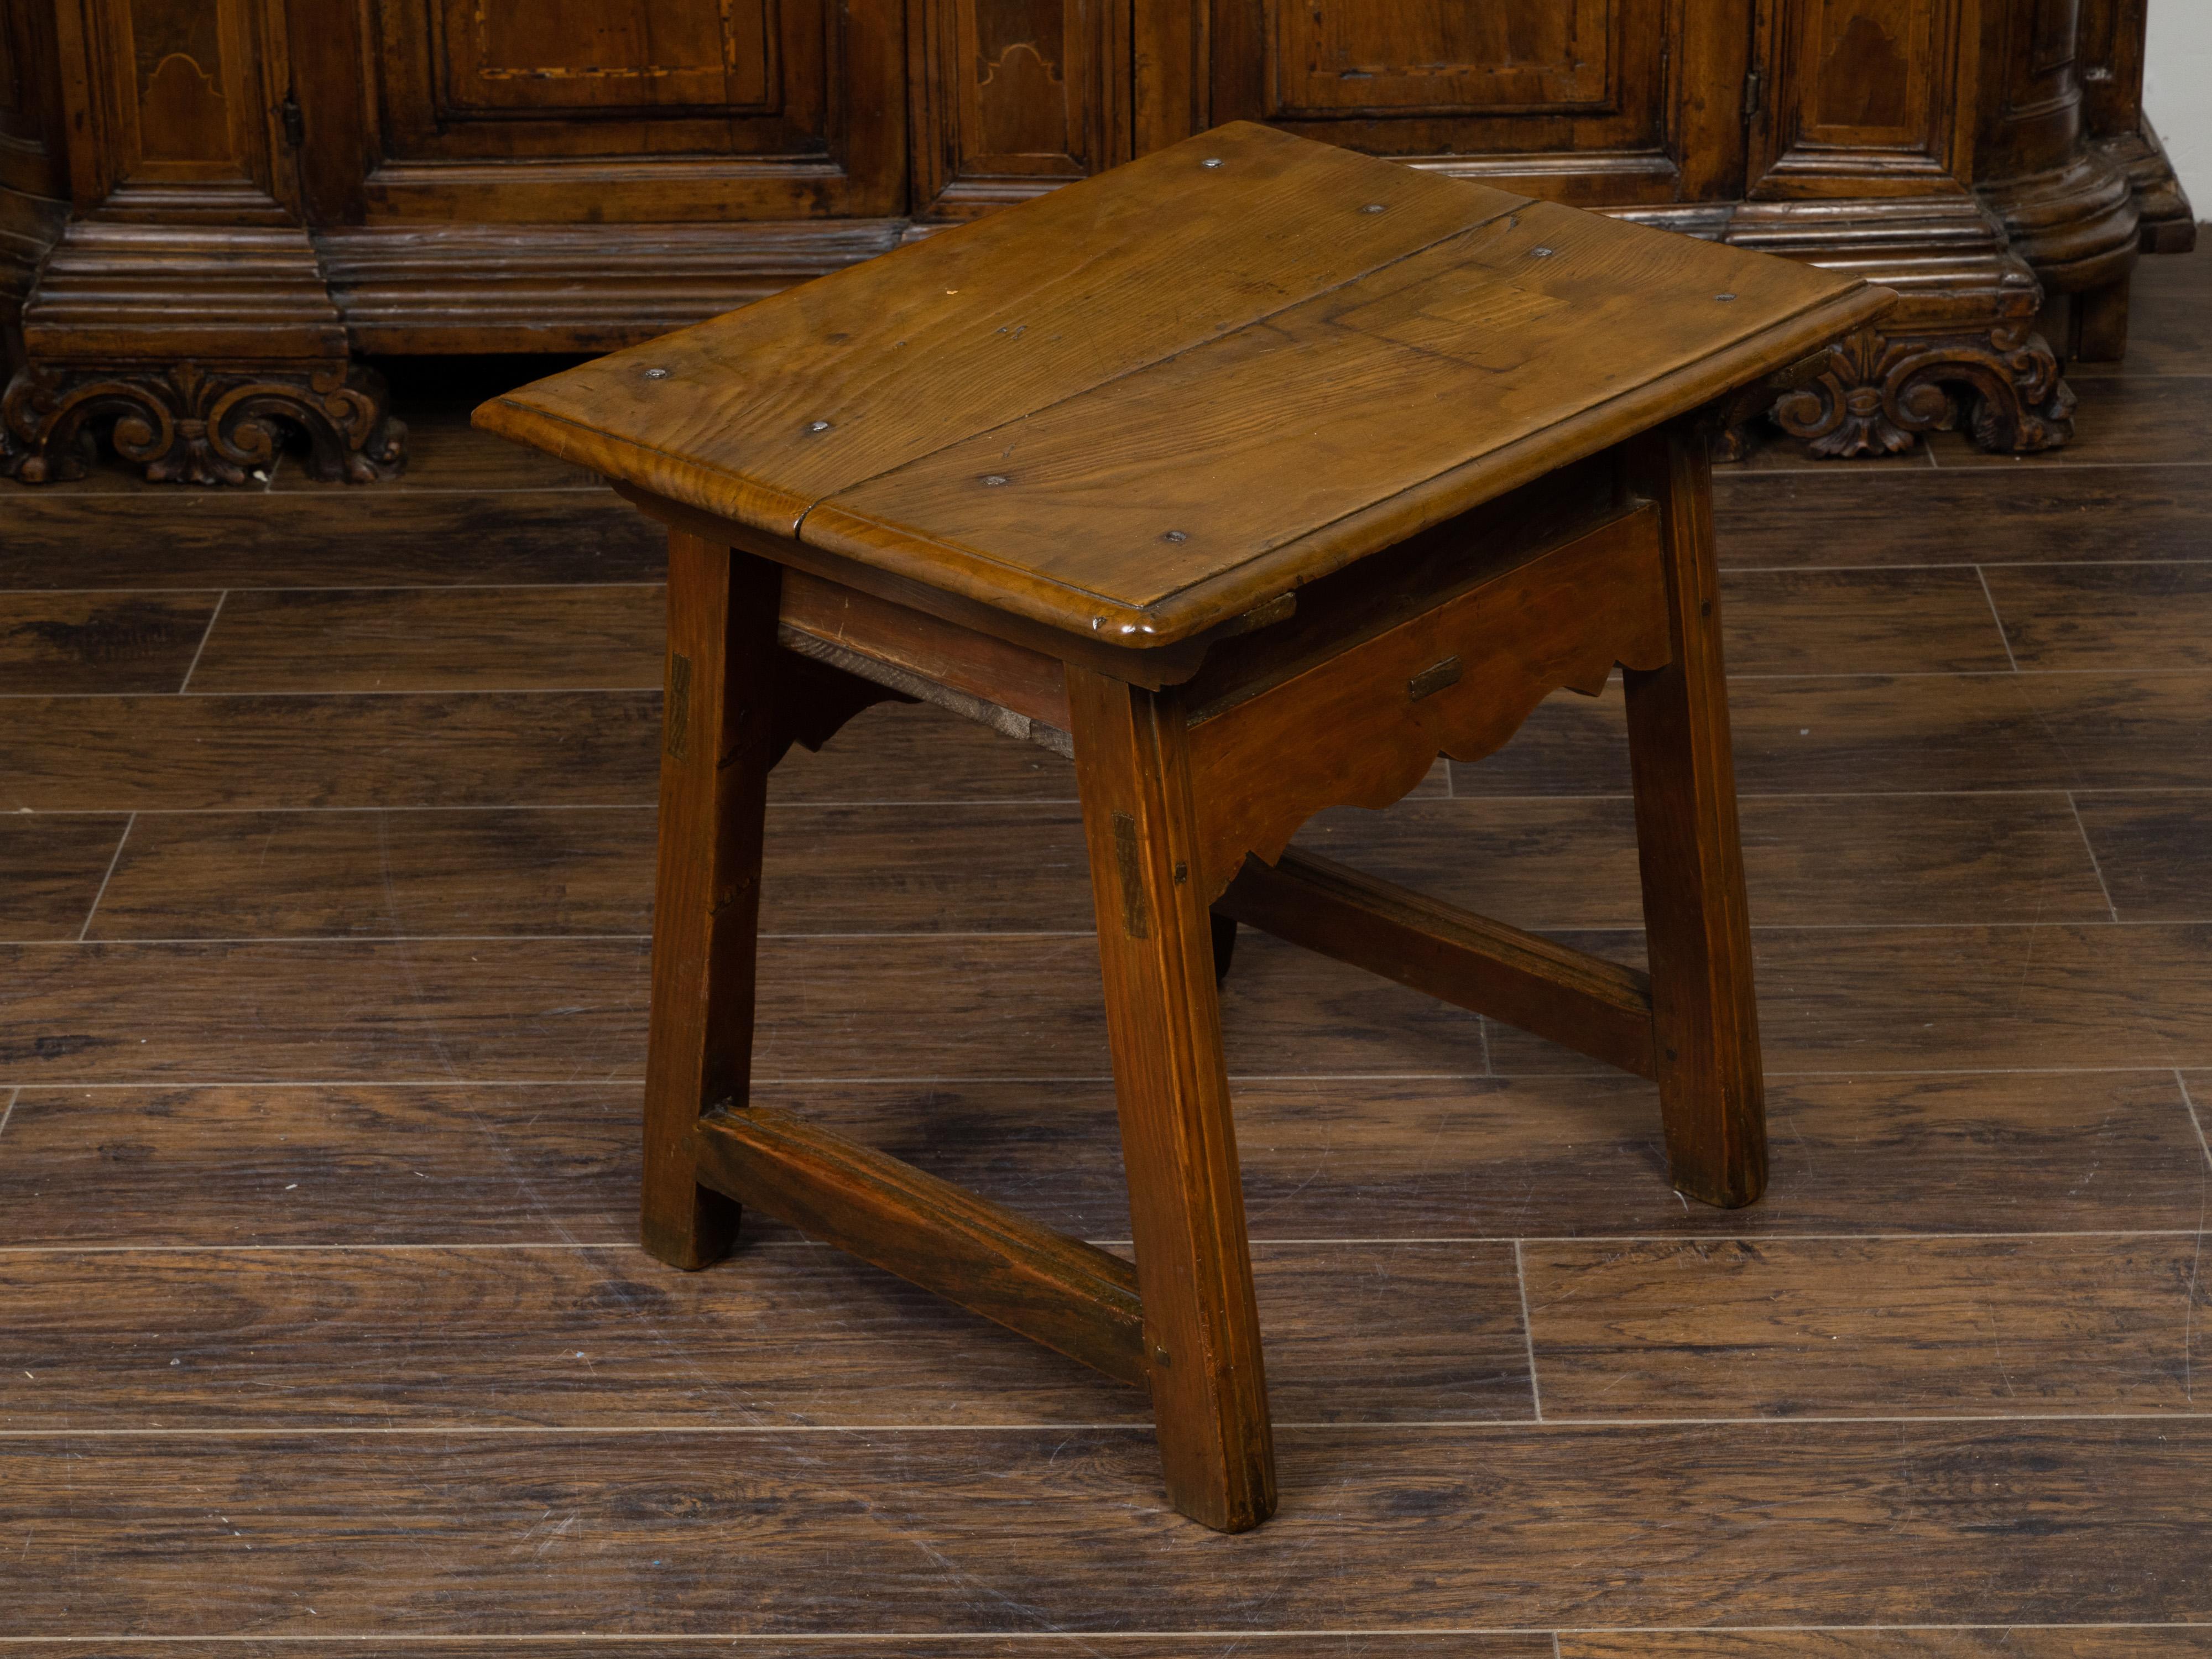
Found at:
<point>1164,1017</point>
<point>717,745</point>
<point>1712,1092</point>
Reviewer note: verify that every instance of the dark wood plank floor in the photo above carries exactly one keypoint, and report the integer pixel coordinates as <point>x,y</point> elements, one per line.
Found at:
<point>325,849</point>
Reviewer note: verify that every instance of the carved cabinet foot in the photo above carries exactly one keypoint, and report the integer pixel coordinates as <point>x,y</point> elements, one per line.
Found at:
<point>201,424</point>
<point>1873,395</point>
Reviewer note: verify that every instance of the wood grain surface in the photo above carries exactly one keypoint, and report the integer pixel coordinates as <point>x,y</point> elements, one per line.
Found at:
<point>1990,516</point>
<point>895,373</point>
<point>1901,999</point>
<point>783,1531</point>
<point>435,749</point>
<point>1018,867</point>
<point>193,540</point>
<point>1993,1641</point>
<point>455,638</point>
<point>361,1148</point>
<point>1774,1327</point>
<point>2106,616</point>
<point>1858,622</point>
<point>1400,1159</point>
<point>1882,734</point>
<point>51,871</point>
<point>99,642</point>
<point>2142,417</point>
<point>2155,852</point>
<point>1112,439</point>
<point>603,1338</point>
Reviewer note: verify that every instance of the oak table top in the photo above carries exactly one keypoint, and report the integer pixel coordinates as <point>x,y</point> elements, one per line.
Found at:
<point>1153,400</point>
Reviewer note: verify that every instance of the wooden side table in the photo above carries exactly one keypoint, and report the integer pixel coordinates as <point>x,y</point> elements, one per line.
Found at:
<point>1253,474</point>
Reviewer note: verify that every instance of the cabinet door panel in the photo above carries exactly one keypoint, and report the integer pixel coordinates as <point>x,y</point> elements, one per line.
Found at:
<point>1863,98</point>
<point>185,102</point>
<point>597,57</point>
<point>636,109</point>
<point>1014,98</point>
<point>1570,99</point>
<point>1517,57</point>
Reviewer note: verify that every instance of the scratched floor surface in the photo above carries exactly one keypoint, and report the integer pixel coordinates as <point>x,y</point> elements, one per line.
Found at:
<point>324,885</point>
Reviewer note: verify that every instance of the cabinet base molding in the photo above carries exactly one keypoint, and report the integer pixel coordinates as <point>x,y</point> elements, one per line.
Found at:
<point>2077,226</point>
<point>2165,223</point>
<point>1874,395</point>
<point>464,288</point>
<point>193,422</point>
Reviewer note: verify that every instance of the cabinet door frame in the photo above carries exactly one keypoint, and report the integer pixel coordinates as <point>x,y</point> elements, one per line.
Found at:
<point>956,174</point>
<point>1194,72</point>
<point>859,169</point>
<point>1791,158</point>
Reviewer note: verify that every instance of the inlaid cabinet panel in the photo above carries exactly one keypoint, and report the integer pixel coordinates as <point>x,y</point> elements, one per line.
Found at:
<point>1863,98</point>
<point>1015,96</point>
<point>642,56</point>
<point>1569,99</point>
<point>636,110</point>
<point>184,101</point>
<point>1517,57</point>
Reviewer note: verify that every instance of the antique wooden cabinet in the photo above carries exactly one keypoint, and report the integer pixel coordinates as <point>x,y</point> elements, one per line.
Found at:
<point>210,210</point>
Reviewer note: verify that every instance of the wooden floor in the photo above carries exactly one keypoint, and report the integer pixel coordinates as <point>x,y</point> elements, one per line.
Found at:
<point>327,855</point>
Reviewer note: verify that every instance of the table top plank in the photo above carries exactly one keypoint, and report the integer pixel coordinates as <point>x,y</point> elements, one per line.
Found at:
<point>1252,446</point>
<point>1154,398</point>
<point>946,337</point>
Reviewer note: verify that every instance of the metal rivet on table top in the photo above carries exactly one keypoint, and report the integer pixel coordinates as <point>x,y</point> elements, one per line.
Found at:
<point>656,373</point>
<point>1724,296</point>
<point>817,426</point>
<point>1211,161</point>
<point>1174,536</point>
<point>992,480</point>
<point>1372,207</point>
<point>1540,253</point>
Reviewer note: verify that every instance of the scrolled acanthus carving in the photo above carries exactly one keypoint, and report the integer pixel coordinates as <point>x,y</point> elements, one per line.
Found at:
<point>190,424</point>
<point>1872,395</point>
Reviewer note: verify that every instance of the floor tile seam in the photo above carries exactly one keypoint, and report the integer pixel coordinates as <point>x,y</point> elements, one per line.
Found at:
<point>1685,1239</point>
<point>114,858</point>
<point>310,489</point>
<point>1769,677</point>
<point>1084,1638</point>
<point>1000,803</point>
<point>2181,1080</point>
<point>1734,677</point>
<point>2096,865</point>
<point>1995,465</point>
<point>116,592</point>
<point>433,806</point>
<point>405,491</point>
<point>1527,1335</point>
<point>1997,617</point>
<point>427,691</point>
<point>1971,562</point>
<point>1017,936</point>
<point>447,1080</point>
<point>206,634</point>
<point>1141,1423</point>
<point>1988,558</point>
